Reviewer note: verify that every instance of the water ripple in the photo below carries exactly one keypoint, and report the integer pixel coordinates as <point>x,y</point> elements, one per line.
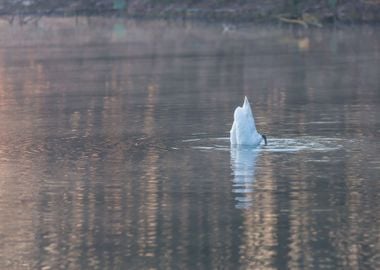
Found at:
<point>286,145</point>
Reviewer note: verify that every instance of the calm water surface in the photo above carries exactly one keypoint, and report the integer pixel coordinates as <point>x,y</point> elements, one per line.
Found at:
<point>114,149</point>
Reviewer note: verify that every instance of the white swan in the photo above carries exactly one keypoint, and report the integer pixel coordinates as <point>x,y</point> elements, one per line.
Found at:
<point>243,131</point>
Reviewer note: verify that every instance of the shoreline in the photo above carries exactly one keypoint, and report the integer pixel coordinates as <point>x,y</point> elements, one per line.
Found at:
<point>293,12</point>
<point>306,21</point>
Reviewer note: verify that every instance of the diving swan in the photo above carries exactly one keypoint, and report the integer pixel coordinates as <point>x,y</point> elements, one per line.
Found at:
<point>243,131</point>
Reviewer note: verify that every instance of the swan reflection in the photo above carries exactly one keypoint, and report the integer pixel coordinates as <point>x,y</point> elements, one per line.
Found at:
<point>243,162</point>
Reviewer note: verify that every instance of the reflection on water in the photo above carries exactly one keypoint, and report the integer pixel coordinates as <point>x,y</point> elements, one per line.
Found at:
<point>243,161</point>
<point>113,149</point>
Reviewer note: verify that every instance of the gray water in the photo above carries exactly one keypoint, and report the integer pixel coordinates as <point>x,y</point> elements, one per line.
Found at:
<point>114,150</point>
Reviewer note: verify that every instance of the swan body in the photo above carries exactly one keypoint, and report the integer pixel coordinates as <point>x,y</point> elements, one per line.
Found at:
<point>243,131</point>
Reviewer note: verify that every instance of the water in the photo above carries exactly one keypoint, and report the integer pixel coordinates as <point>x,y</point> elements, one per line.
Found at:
<point>114,149</point>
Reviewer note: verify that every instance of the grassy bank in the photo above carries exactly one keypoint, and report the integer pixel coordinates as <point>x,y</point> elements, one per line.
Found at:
<point>302,12</point>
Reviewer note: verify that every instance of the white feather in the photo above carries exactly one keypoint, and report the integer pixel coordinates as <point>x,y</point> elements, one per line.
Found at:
<point>243,131</point>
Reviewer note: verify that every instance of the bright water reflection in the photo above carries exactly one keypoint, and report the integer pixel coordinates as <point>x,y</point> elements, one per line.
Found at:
<point>243,162</point>
<point>113,149</point>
